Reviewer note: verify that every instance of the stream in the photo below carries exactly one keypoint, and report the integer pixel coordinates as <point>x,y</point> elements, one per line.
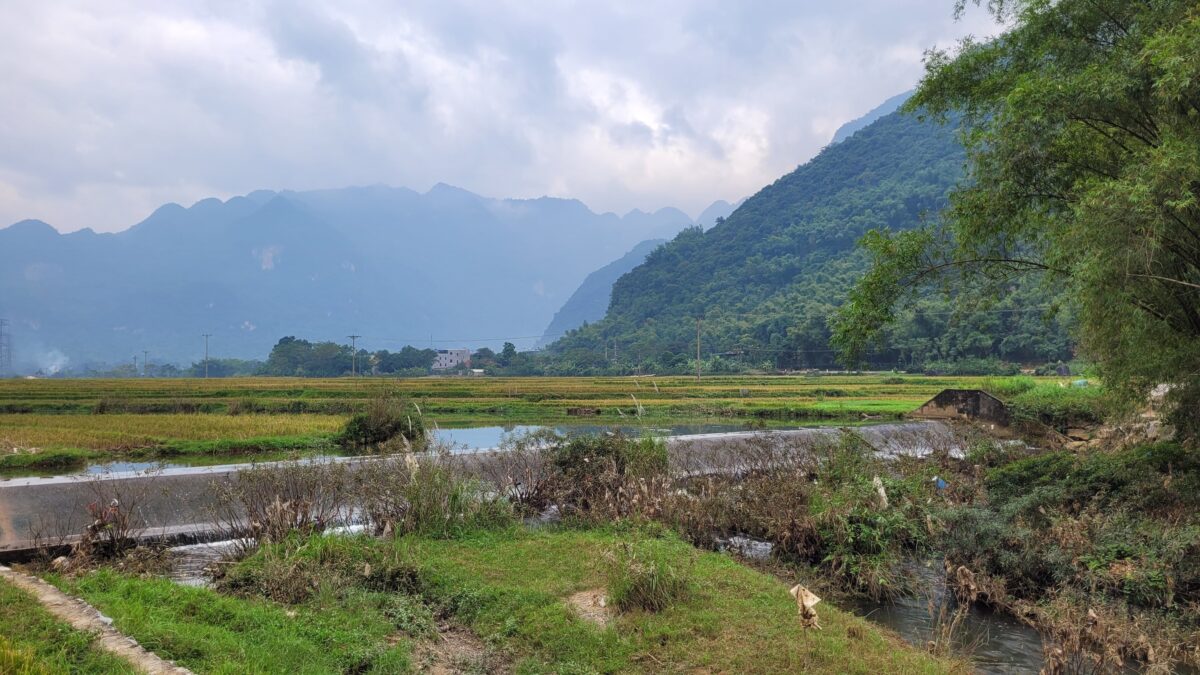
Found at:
<point>995,643</point>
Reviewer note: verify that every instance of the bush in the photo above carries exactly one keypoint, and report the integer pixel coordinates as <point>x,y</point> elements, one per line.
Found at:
<point>648,575</point>
<point>385,418</point>
<point>406,495</point>
<point>599,474</point>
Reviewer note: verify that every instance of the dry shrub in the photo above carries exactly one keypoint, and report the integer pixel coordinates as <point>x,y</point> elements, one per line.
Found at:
<point>427,495</point>
<point>524,471</point>
<point>266,503</point>
<point>115,519</point>
<point>611,476</point>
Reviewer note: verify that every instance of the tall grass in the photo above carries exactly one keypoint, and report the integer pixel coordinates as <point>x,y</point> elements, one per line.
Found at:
<point>647,575</point>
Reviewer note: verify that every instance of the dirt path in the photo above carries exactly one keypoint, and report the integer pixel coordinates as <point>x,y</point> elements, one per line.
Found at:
<point>83,617</point>
<point>456,651</point>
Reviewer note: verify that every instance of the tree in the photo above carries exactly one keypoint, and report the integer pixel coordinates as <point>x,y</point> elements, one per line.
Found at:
<point>507,354</point>
<point>1082,126</point>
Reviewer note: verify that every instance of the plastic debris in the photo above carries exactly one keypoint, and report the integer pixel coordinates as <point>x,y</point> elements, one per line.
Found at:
<point>805,601</point>
<point>883,500</point>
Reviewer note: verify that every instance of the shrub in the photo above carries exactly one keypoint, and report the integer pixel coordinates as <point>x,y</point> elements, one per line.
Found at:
<point>270,503</point>
<point>524,470</point>
<point>648,575</point>
<point>601,475</point>
<point>386,417</point>
<point>406,495</point>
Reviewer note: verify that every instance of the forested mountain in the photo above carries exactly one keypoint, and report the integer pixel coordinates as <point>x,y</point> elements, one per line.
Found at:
<point>396,266</point>
<point>886,108</point>
<point>767,278</point>
<point>589,302</point>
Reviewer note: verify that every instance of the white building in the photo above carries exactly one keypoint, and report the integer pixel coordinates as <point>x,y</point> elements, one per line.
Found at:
<point>451,358</point>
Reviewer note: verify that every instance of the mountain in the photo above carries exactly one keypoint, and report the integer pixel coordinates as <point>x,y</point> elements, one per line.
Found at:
<point>718,209</point>
<point>886,108</point>
<point>392,264</point>
<point>590,301</point>
<point>767,278</point>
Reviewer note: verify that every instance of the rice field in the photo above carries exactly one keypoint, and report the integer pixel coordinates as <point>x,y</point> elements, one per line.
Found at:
<point>130,432</point>
<point>249,415</point>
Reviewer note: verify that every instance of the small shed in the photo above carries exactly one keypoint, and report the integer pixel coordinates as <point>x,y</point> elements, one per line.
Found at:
<point>968,404</point>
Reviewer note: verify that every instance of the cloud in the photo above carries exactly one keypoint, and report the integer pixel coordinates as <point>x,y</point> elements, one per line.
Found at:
<point>112,109</point>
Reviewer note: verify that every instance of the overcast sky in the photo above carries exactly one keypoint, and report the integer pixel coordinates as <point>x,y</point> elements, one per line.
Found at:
<point>109,109</point>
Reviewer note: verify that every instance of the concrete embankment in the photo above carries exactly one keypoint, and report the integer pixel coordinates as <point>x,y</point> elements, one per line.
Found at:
<point>178,504</point>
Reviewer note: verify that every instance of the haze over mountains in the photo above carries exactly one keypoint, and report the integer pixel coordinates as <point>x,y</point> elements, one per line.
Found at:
<point>391,264</point>
<point>445,268</point>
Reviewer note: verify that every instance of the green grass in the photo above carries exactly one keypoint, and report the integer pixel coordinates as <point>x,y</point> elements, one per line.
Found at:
<point>212,633</point>
<point>33,641</point>
<point>511,588</point>
<point>1059,406</point>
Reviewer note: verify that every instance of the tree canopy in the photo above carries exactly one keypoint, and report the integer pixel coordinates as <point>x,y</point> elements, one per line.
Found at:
<point>1082,129</point>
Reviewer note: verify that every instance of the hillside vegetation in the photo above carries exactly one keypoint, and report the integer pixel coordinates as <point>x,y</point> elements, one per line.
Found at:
<point>766,279</point>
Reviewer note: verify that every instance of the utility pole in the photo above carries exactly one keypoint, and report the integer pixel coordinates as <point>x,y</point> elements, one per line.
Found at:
<point>145,363</point>
<point>698,320</point>
<point>353,354</point>
<point>5,350</point>
<point>206,336</point>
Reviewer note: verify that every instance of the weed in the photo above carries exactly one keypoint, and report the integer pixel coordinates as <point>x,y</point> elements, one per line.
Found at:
<point>645,575</point>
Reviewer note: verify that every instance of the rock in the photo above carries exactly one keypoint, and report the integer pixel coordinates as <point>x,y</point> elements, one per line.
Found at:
<point>1079,433</point>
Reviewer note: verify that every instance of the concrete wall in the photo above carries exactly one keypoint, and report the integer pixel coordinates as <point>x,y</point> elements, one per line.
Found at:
<point>967,404</point>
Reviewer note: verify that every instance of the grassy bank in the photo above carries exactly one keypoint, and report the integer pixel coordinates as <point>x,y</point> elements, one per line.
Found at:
<point>512,587</point>
<point>33,642</point>
<point>359,604</point>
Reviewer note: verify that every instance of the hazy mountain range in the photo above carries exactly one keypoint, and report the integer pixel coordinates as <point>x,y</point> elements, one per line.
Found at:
<point>444,268</point>
<point>390,264</point>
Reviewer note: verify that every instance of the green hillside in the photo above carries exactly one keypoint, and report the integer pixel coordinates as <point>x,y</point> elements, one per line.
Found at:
<point>766,279</point>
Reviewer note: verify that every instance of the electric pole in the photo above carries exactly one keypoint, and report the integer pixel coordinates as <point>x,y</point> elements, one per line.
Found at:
<point>698,320</point>
<point>206,336</point>
<point>353,354</point>
<point>5,350</point>
<point>145,363</point>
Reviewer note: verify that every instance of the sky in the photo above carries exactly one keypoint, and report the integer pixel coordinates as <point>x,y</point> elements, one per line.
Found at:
<point>110,109</point>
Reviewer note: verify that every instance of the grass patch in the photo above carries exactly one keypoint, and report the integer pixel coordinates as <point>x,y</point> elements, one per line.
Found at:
<point>1060,407</point>
<point>33,641</point>
<point>647,575</point>
<point>212,633</point>
<point>510,589</point>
